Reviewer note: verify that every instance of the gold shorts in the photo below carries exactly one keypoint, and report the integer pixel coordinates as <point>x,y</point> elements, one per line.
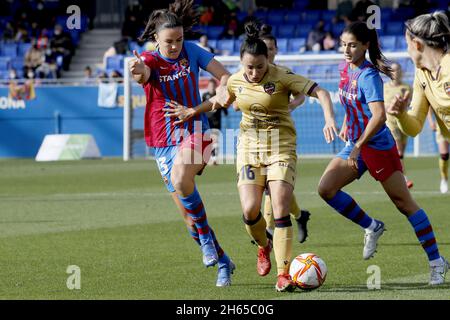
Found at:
<point>258,168</point>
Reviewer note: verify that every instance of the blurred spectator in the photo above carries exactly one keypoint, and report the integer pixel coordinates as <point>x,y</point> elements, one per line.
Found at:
<point>329,43</point>
<point>116,76</point>
<point>315,37</point>
<point>119,47</point>
<point>13,74</point>
<point>359,12</point>
<point>207,16</point>
<point>43,40</point>
<point>247,5</point>
<point>61,44</point>
<point>203,42</point>
<point>343,11</point>
<point>88,77</point>
<point>21,34</point>
<point>8,32</point>
<point>33,57</point>
<point>134,20</point>
<point>231,28</point>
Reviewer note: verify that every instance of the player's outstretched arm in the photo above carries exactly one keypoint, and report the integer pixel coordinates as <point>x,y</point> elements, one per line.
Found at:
<point>182,113</point>
<point>330,129</point>
<point>222,97</point>
<point>139,71</point>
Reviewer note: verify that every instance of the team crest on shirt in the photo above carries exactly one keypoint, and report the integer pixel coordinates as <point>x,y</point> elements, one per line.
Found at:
<point>166,181</point>
<point>269,87</point>
<point>447,88</point>
<point>184,63</point>
<point>240,89</point>
<point>354,83</point>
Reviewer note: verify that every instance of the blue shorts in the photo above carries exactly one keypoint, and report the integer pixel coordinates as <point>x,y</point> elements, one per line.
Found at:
<point>164,159</point>
<point>345,153</point>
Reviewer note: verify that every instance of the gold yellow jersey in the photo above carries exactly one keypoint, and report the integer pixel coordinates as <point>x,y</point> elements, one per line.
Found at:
<point>264,107</point>
<point>390,90</point>
<point>429,92</point>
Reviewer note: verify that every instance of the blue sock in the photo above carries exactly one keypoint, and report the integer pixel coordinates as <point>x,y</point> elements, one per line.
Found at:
<point>193,205</point>
<point>425,234</point>
<point>194,235</point>
<point>346,206</point>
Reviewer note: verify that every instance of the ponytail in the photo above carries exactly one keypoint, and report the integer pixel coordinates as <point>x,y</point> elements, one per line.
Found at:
<point>363,34</point>
<point>432,28</point>
<point>181,13</point>
<point>253,44</point>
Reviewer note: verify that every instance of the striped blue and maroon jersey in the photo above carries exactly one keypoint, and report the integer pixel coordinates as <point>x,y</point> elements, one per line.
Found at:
<point>357,88</point>
<point>176,80</point>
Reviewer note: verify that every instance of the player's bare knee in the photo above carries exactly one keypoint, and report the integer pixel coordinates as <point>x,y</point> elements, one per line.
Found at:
<point>250,210</point>
<point>326,192</point>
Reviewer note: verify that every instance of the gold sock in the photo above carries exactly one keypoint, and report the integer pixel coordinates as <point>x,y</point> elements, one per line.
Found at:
<point>282,246</point>
<point>295,209</point>
<point>268,212</point>
<point>443,168</point>
<point>257,230</point>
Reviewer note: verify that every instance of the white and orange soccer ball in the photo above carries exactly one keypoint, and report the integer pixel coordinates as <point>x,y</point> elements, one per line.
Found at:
<point>308,271</point>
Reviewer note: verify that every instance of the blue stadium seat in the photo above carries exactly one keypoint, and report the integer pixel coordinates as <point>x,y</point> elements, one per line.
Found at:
<point>302,30</point>
<point>214,31</point>
<point>400,43</point>
<point>226,45</point>
<point>276,17</point>
<point>237,45</point>
<point>295,44</point>
<point>328,15</point>
<point>9,50</point>
<point>282,44</point>
<point>388,43</point>
<point>293,17</point>
<point>394,28</point>
<point>114,62</point>
<point>260,15</point>
<point>286,31</point>
<point>5,63</point>
<point>212,43</point>
<point>402,14</point>
<point>23,48</point>
<point>337,29</point>
<point>301,70</point>
<point>311,17</point>
<point>17,63</point>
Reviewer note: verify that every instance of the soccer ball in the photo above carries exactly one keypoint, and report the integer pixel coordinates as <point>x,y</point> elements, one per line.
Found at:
<point>308,271</point>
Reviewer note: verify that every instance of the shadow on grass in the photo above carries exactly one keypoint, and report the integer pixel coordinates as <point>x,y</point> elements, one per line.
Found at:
<point>392,286</point>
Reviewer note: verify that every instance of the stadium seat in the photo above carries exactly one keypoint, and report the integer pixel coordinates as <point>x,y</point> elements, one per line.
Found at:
<point>394,28</point>
<point>293,17</point>
<point>17,63</point>
<point>286,31</point>
<point>114,62</point>
<point>302,30</point>
<point>400,43</point>
<point>311,17</point>
<point>226,46</point>
<point>388,43</point>
<point>214,32</point>
<point>337,29</point>
<point>295,44</point>
<point>276,17</point>
<point>9,50</point>
<point>5,63</point>
<point>328,15</point>
<point>23,48</point>
<point>301,70</point>
<point>282,44</point>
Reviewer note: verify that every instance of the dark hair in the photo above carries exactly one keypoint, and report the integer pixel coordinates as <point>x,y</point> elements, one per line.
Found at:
<point>363,34</point>
<point>266,34</point>
<point>252,43</point>
<point>181,13</point>
<point>432,28</point>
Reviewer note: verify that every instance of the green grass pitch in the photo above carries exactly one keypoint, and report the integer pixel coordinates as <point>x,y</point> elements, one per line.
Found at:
<point>117,222</point>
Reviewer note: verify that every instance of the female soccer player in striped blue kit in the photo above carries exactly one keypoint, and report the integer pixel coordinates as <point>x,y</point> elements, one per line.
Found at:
<point>370,146</point>
<point>170,75</point>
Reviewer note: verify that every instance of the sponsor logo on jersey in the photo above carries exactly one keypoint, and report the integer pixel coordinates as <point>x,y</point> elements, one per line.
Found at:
<point>447,88</point>
<point>350,96</point>
<point>176,76</point>
<point>269,87</point>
